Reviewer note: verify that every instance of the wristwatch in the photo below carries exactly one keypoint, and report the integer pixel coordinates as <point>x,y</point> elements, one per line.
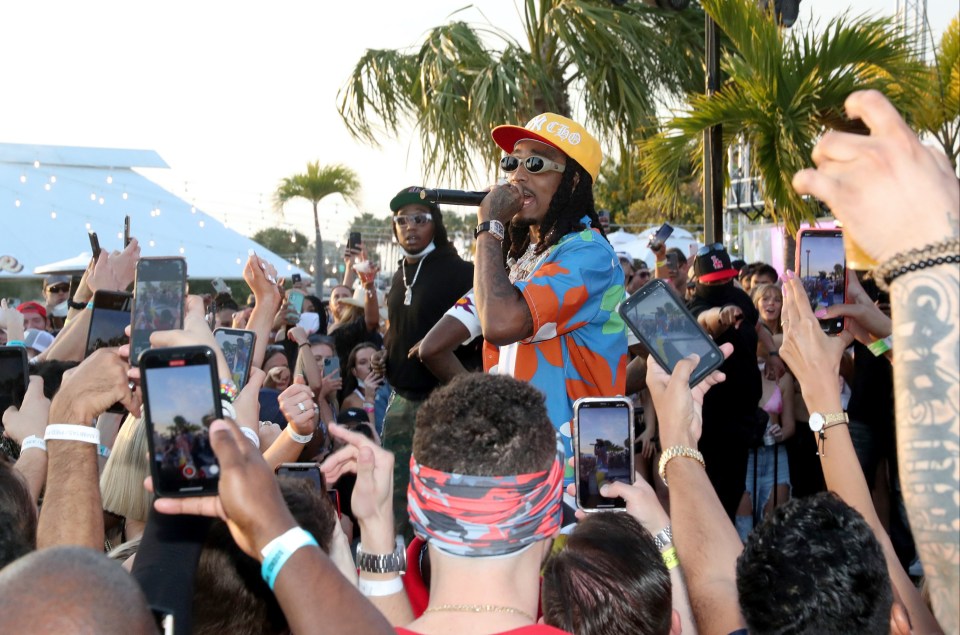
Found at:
<point>495,228</point>
<point>664,538</point>
<point>819,422</point>
<point>383,562</point>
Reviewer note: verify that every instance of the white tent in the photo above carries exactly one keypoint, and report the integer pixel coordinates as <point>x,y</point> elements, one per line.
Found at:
<point>51,196</point>
<point>636,244</point>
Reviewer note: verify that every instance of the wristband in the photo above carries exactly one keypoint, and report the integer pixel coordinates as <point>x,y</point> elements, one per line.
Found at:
<point>70,432</point>
<point>670,558</point>
<point>278,551</point>
<point>880,347</point>
<point>302,439</point>
<point>661,263</point>
<point>677,451</point>
<point>19,343</point>
<point>380,588</point>
<point>250,434</point>
<point>103,451</point>
<point>90,305</point>
<point>367,407</point>
<point>228,390</point>
<point>228,410</point>
<point>33,441</point>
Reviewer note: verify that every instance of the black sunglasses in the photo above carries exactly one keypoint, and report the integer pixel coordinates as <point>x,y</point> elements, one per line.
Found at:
<point>706,249</point>
<point>532,164</point>
<point>59,288</point>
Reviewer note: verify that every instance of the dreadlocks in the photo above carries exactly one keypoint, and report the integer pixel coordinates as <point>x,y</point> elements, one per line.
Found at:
<point>567,208</point>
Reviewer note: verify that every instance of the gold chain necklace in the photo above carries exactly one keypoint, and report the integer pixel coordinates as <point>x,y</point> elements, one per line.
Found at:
<point>478,608</point>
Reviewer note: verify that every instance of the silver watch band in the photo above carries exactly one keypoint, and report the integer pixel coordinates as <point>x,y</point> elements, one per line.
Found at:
<point>383,562</point>
<point>664,539</point>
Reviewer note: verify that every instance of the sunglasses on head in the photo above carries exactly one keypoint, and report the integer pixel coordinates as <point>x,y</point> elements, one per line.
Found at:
<point>59,288</point>
<point>532,164</point>
<point>706,249</point>
<point>415,219</point>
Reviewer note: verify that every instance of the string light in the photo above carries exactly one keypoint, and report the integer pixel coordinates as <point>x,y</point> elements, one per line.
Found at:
<point>23,178</point>
<point>93,196</point>
<point>46,186</point>
<point>36,164</point>
<point>53,179</point>
<point>101,200</point>
<point>16,203</point>
<point>238,261</point>
<point>153,244</point>
<point>88,226</point>
<point>109,179</point>
<point>200,223</point>
<point>53,215</point>
<point>181,250</point>
<point>193,210</point>
<point>124,196</point>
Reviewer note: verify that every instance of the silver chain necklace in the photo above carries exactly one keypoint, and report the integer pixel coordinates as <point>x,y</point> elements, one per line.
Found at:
<point>408,294</point>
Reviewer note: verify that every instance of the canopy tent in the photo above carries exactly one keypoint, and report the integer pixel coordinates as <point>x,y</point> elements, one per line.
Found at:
<point>636,244</point>
<point>51,196</point>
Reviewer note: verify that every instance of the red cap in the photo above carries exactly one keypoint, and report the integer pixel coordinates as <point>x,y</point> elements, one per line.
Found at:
<point>33,307</point>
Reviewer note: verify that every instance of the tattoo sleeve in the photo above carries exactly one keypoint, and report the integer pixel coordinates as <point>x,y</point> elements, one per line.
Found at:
<point>926,305</point>
<point>504,315</point>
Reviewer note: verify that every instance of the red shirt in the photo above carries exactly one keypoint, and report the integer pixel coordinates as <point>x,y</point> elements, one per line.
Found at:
<point>533,629</point>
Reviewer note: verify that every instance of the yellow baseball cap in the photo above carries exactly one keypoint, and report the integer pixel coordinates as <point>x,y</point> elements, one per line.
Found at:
<point>564,134</point>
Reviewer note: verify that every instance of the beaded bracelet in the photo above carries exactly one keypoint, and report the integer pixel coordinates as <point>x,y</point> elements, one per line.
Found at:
<point>228,390</point>
<point>941,253</point>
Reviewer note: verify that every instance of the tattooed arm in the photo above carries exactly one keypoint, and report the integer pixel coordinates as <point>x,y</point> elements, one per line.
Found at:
<point>504,314</point>
<point>927,393</point>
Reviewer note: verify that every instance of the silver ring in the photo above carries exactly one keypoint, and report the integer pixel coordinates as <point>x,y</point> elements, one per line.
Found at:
<point>301,407</point>
<point>131,385</point>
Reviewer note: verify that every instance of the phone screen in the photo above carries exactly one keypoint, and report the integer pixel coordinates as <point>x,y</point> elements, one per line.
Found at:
<point>158,300</point>
<point>237,347</point>
<point>310,472</point>
<point>94,244</point>
<point>126,231</point>
<point>354,241</point>
<point>604,449</point>
<point>821,264</point>
<point>181,400</point>
<point>14,376</point>
<point>110,316</point>
<point>331,365</point>
<point>668,330</point>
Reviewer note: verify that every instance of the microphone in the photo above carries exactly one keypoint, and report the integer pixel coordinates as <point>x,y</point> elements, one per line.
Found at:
<point>452,197</point>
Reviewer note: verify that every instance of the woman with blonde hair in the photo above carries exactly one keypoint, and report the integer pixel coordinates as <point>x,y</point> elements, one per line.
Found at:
<point>126,503</point>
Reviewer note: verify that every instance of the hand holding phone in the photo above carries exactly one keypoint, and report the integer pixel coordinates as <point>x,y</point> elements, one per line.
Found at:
<point>14,376</point>
<point>821,266</point>
<point>159,299</point>
<point>658,240</point>
<point>94,245</point>
<point>354,241</point>
<point>237,348</point>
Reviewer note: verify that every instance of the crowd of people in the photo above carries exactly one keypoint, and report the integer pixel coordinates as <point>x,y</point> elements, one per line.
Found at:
<point>809,485</point>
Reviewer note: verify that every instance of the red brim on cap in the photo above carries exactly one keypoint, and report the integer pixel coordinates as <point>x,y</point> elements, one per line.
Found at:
<point>507,137</point>
<point>715,276</point>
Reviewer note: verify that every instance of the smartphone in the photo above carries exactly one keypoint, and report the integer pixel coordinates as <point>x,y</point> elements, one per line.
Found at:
<point>109,318</point>
<point>74,285</point>
<point>295,299</point>
<point>159,292</point>
<point>603,449</point>
<point>237,346</point>
<point>668,330</point>
<point>310,472</point>
<point>296,278</point>
<point>181,398</point>
<point>14,376</point>
<point>822,268</point>
<point>220,286</point>
<point>126,231</point>
<point>658,239</point>
<point>331,366</point>
<point>94,244</point>
<point>353,242</point>
<point>673,262</point>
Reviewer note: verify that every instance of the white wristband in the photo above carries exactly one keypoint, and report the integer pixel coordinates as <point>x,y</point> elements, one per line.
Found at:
<point>380,588</point>
<point>69,432</point>
<point>253,436</point>
<point>299,438</point>
<point>33,441</point>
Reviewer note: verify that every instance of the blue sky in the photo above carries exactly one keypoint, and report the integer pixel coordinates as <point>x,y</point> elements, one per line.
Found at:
<point>235,96</point>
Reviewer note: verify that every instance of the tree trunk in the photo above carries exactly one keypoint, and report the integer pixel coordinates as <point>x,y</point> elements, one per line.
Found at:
<point>789,250</point>
<point>318,272</point>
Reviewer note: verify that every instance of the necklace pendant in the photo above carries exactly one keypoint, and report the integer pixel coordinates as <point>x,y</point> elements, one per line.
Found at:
<point>408,297</point>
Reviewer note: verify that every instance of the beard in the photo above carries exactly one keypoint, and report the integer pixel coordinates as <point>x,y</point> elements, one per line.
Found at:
<point>524,223</point>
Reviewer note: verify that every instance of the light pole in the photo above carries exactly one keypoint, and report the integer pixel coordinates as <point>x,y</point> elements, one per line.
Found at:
<point>808,265</point>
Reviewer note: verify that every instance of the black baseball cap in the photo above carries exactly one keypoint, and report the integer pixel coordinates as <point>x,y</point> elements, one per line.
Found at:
<point>410,196</point>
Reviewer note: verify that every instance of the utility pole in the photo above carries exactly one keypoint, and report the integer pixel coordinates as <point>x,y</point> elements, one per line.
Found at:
<point>712,146</point>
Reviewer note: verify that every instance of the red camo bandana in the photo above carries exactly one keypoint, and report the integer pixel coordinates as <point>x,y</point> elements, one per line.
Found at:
<point>479,516</point>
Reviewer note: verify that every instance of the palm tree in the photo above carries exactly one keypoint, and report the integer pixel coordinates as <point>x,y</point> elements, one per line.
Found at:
<point>783,89</point>
<point>621,62</point>
<point>939,114</point>
<point>314,185</point>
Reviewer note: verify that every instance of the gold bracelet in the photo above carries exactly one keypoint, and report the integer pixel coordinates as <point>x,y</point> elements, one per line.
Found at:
<point>934,254</point>
<point>678,451</point>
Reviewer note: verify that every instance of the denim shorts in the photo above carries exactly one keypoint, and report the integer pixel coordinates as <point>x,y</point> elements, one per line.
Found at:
<point>765,475</point>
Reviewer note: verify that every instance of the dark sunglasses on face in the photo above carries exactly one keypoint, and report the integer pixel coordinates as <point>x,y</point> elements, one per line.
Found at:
<point>643,275</point>
<point>59,288</point>
<point>416,219</point>
<point>706,249</point>
<point>532,164</point>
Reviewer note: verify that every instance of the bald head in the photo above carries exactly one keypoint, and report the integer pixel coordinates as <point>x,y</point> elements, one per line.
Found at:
<point>71,590</point>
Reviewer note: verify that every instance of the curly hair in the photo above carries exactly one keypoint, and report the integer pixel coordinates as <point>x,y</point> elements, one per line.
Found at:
<point>485,425</point>
<point>814,567</point>
<point>570,203</point>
